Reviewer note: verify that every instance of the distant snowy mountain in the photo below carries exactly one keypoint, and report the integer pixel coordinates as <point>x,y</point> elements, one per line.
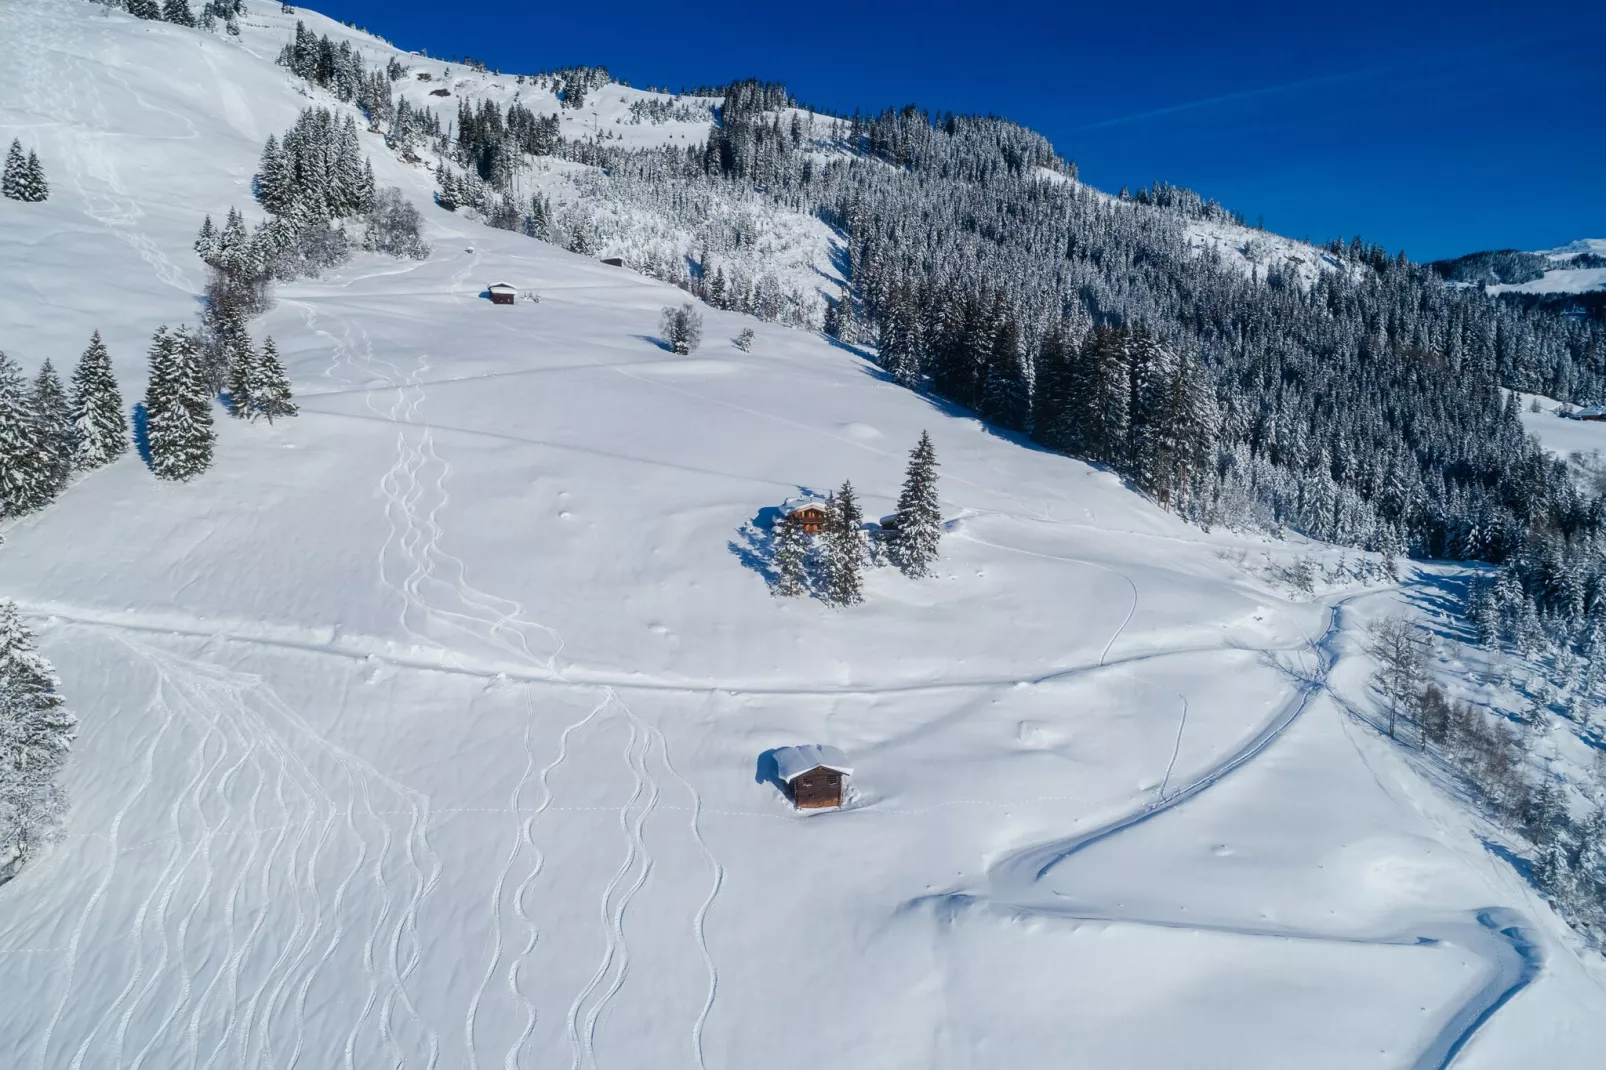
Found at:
<point>1578,267</point>
<point>435,726</point>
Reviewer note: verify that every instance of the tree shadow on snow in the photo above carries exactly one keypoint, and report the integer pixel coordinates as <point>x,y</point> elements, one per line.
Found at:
<point>142,434</point>
<point>655,342</point>
<point>754,542</point>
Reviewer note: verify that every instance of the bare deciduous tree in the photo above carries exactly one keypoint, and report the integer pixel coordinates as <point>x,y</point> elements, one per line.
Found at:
<point>1397,645</point>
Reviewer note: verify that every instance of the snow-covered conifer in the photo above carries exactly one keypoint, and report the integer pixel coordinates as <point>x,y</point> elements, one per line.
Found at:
<point>245,376</point>
<point>919,512</point>
<point>270,395</point>
<point>54,414</point>
<point>791,558</point>
<point>178,12</point>
<point>33,186</point>
<point>16,166</point>
<point>845,549</point>
<point>275,185</point>
<point>26,476</point>
<point>100,428</point>
<point>36,732</point>
<point>178,411</point>
<point>206,242</point>
<point>145,9</point>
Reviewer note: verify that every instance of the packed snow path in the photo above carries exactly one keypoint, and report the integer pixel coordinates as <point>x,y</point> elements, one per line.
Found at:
<point>1500,937</point>
<point>428,729</point>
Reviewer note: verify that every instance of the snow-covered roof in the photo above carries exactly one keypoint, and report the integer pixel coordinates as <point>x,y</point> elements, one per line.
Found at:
<point>797,507</point>
<point>791,762</point>
<point>503,286</point>
<point>1593,412</point>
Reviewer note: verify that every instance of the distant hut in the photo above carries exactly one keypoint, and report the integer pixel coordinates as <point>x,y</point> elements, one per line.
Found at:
<point>503,293</point>
<point>889,522</point>
<point>810,515</point>
<point>813,774</point>
<point>1594,414</point>
<point>614,261</point>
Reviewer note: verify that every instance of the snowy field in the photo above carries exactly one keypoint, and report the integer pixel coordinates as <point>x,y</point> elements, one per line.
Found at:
<point>428,728</point>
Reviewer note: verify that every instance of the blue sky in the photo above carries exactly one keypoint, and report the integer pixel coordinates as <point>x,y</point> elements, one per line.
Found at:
<point>1435,128</point>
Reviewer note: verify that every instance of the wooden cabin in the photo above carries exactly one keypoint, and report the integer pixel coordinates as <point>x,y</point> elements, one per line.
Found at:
<point>889,522</point>
<point>813,774</point>
<point>810,515</point>
<point>503,293</point>
<point>1593,414</point>
<point>614,261</point>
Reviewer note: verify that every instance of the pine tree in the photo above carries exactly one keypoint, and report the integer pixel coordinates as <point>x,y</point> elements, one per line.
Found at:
<point>26,476</point>
<point>16,167</point>
<point>245,379</point>
<point>178,412</point>
<point>271,394</point>
<point>919,512</point>
<point>791,558</point>
<point>36,732</point>
<point>145,9</point>
<point>207,242</point>
<point>1006,399</point>
<point>54,414</point>
<point>178,12</point>
<point>35,188</point>
<point>845,548</point>
<point>24,177</point>
<point>276,180</point>
<point>100,429</point>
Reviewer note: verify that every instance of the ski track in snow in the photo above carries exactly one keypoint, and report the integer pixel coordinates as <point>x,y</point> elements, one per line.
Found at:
<point>1499,936</point>
<point>269,816</point>
<point>83,129</point>
<point>436,599</point>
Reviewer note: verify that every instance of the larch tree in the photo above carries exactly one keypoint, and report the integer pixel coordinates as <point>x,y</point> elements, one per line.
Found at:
<point>919,512</point>
<point>100,427</point>
<point>36,732</point>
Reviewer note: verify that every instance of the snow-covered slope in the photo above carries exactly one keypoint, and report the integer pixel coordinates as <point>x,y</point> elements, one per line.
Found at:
<point>1565,274</point>
<point>428,728</point>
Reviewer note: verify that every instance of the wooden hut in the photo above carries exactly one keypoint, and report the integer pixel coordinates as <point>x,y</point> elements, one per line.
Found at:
<point>813,774</point>
<point>811,516</point>
<point>503,293</point>
<point>1593,414</point>
<point>614,261</point>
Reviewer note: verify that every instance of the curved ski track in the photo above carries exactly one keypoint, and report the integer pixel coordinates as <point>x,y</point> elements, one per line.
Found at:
<point>249,891</point>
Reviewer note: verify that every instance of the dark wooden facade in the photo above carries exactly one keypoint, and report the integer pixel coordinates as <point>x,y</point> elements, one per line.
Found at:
<point>613,261</point>
<point>818,787</point>
<point>812,518</point>
<point>502,294</point>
